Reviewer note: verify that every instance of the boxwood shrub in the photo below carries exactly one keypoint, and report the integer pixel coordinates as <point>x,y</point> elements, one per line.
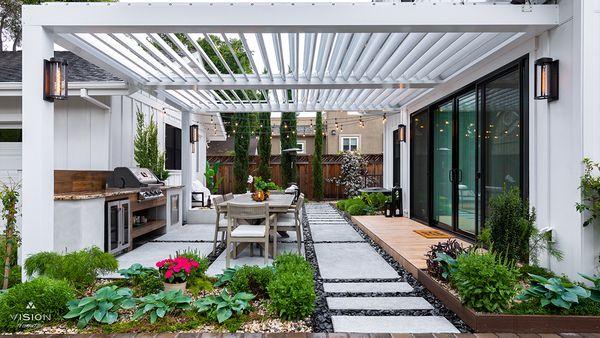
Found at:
<point>292,291</point>
<point>35,302</point>
<point>252,279</point>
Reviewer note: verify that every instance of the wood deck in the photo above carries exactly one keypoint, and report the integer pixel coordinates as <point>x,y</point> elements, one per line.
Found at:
<point>396,236</point>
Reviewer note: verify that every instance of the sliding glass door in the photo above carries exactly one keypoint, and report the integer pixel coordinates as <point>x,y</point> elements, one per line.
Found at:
<point>468,148</point>
<point>419,166</point>
<point>442,164</point>
<point>466,167</point>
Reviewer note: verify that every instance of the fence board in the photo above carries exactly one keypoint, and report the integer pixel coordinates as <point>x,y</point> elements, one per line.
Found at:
<point>331,169</point>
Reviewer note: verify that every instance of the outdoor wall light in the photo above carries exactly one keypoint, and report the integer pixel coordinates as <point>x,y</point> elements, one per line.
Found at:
<point>402,133</point>
<point>546,79</point>
<point>55,80</point>
<point>194,136</point>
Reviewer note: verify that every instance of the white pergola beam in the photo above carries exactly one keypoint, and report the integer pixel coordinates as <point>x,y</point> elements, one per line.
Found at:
<point>267,17</point>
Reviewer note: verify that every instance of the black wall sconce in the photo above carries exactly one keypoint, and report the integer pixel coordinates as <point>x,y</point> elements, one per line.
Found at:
<point>55,80</point>
<point>194,136</point>
<point>402,132</point>
<point>546,79</point>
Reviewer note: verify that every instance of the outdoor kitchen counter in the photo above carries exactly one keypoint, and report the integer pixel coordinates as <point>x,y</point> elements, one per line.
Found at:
<point>110,192</point>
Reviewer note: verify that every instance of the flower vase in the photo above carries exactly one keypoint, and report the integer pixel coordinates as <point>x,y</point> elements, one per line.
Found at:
<point>175,286</point>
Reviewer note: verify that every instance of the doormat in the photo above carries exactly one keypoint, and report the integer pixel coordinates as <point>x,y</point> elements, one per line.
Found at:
<point>432,234</point>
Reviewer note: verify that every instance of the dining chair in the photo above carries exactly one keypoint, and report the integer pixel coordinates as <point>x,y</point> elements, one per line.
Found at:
<point>247,233</point>
<point>221,222</point>
<point>290,221</point>
<point>228,196</point>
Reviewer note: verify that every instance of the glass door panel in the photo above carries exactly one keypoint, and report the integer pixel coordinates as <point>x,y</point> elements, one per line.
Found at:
<point>442,164</point>
<point>419,172</point>
<point>467,149</point>
<point>501,141</point>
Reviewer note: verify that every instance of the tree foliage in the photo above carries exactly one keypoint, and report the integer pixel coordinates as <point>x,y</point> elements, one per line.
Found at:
<point>264,146</point>
<point>590,191</point>
<point>354,174</point>
<point>287,132</point>
<point>9,195</point>
<point>241,143</point>
<point>146,152</point>
<point>317,159</point>
<point>10,19</point>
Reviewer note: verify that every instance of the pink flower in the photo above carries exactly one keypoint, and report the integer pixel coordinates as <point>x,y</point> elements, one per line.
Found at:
<point>168,274</point>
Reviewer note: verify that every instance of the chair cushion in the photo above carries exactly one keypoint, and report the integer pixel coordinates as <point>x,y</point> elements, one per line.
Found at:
<point>286,221</point>
<point>249,231</point>
<point>223,222</point>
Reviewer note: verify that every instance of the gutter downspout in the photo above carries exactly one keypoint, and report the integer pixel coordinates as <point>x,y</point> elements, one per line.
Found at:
<point>84,95</point>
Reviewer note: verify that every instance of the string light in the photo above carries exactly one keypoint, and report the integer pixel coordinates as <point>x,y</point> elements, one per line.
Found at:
<point>384,118</point>
<point>341,128</point>
<point>336,124</point>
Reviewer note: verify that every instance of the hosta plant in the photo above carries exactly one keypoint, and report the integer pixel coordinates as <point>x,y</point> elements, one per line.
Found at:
<point>103,306</point>
<point>226,277</point>
<point>447,264</point>
<point>595,290</point>
<point>136,270</point>
<point>162,303</point>
<point>225,305</point>
<point>554,291</point>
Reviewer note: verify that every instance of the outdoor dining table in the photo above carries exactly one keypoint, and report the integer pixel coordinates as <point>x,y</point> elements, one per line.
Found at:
<point>278,204</point>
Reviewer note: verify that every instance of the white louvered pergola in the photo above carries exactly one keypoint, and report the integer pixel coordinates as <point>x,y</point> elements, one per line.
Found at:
<point>371,57</point>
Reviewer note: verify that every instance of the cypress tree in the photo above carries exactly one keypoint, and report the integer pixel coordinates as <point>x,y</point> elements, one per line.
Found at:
<point>317,159</point>
<point>287,132</point>
<point>264,145</point>
<point>241,142</point>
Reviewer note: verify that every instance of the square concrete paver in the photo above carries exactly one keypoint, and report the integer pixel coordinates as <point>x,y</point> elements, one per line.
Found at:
<point>152,252</point>
<point>244,258</point>
<point>335,233</point>
<point>393,324</point>
<point>368,287</point>
<point>351,261</point>
<point>378,303</point>
<point>190,233</point>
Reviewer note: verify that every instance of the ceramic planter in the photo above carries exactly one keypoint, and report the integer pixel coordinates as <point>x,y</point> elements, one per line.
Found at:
<point>175,286</point>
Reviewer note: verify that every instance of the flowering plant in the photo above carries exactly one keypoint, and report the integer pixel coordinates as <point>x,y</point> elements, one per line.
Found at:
<point>176,270</point>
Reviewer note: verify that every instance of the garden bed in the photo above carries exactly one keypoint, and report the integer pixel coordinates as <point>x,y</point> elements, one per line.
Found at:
<point>491,322</point>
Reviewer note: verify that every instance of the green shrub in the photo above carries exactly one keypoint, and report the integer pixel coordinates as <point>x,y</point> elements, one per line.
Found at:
<point>196,285</point>
<point>341,205</point>
<point>375,200</point>
<point>34,302</point>
<point>511,225</point>
<point>292,262</point>
<point>356,210</point>
<point>527,269</point>
<point>554,291</point>
<point>79,268</point>
<point>292,290</point>
<point>225,278</point>
<point>252,279</point>
<point>484,282</point>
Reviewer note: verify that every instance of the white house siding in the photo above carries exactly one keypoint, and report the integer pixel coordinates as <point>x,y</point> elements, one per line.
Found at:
<point>561,133</point>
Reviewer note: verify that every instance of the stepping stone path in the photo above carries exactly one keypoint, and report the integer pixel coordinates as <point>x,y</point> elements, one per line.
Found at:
<point>363,292</point>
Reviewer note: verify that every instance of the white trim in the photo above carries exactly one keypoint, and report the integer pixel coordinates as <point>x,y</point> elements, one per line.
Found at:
<point>302,143</point>
<point>341,138</point>
<point>95,88</point>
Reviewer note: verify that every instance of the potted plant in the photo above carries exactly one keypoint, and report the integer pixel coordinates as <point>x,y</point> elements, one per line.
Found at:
<point>175,272</point>
<point>261,189</point>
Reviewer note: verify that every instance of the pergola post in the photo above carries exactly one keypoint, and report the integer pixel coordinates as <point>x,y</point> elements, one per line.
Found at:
<point>37,229</point>
<point>186,163</point>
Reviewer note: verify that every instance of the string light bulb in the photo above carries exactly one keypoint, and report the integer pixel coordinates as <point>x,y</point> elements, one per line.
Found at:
<point>384,118</point>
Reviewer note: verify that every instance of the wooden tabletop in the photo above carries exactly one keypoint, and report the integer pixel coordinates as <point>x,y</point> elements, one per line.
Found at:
<point>278,203</point>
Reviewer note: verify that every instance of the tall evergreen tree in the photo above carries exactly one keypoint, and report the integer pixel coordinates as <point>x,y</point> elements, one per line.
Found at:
<point>287,132</point>
<point>241,142</point>
<point>317,159</point>
<point>264,145</point>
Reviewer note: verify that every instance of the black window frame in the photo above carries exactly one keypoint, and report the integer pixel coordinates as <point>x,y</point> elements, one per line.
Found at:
<point>172,147</point>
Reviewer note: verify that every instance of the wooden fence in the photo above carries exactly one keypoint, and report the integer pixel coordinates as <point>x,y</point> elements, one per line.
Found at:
<point>331,169</point>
